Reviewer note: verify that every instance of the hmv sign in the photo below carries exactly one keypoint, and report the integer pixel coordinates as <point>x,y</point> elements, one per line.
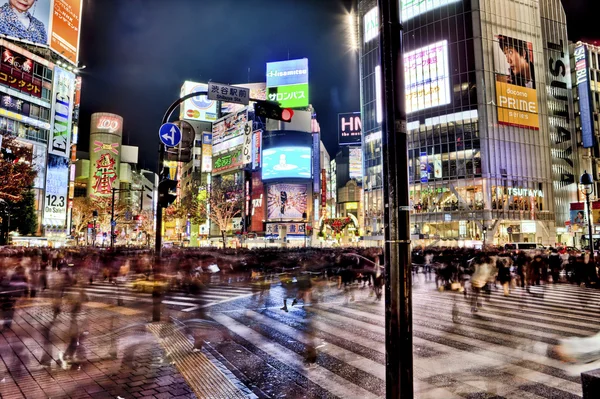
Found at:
<point>349,128</point>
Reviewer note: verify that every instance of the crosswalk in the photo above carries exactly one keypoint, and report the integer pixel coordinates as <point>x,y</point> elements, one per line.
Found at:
<point>210,295</point>
<point>500,352</point>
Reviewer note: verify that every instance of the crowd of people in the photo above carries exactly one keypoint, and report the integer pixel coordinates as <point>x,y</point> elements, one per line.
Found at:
<point>305,275</point>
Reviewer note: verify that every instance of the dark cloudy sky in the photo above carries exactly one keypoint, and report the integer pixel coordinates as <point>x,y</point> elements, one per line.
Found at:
<point>138,53</point>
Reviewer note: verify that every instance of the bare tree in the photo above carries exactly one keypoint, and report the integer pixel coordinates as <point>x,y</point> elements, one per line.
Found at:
<point>222,203</point>
<point>81,215</point>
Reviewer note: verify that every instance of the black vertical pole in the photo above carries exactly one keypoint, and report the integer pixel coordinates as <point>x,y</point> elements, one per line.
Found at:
<point>398,306</point>
<point>589,215</point>
<point>112,220</point>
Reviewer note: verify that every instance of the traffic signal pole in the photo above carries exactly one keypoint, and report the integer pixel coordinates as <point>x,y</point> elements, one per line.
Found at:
<point>398,279</point>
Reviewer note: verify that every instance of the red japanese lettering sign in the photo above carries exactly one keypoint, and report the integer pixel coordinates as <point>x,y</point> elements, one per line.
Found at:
<point>20,80</point>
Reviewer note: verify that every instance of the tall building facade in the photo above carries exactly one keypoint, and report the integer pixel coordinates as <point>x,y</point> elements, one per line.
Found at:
<point>492,147</point>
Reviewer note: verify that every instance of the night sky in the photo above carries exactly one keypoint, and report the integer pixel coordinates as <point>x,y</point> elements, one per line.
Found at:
<point>139,52</point>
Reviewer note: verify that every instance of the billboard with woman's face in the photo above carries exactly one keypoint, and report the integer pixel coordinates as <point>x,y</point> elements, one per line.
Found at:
<point>53,23</point>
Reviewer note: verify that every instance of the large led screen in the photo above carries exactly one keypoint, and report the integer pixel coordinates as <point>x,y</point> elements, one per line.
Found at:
<point>55,23</point>
<point>286,162</point>
<point>286,201</point>
<point>516,96</point>
<point>427,77</point>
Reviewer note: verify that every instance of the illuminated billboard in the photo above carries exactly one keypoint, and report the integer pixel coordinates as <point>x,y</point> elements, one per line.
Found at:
<point>292,96</point>
<point>286,162</point>
<point>585,99</point>
<point>349,128</point>
<point>258,91</point>
<point>106,133</point>
<point>413,8</point>
<point>284,73</point>
<point>287,201</point>
<point>516,96</point>
<point>371,25</point>
<point>53,23</point>
<point>287,83</point>
<point>57,190</point>
<point>427,76</point>
<point>228,128</point>
<point>228,161</point>
<point>198,108</point>
<point>356,157</point>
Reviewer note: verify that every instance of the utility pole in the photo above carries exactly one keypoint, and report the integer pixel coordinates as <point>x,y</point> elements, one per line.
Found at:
<point>394,141</point>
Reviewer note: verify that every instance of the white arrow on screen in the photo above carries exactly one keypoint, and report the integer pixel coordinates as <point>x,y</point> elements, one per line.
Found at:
<point>171,138</point>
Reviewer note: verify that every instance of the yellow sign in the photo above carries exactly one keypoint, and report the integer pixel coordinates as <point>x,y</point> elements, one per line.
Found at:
<point>517,106</point>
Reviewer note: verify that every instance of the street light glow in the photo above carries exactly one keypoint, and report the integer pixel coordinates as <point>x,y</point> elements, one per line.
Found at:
<point>352,32</point>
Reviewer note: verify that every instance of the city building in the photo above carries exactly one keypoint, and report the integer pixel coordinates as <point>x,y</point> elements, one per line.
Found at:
<point>492,143</point>
<point>40,105</point>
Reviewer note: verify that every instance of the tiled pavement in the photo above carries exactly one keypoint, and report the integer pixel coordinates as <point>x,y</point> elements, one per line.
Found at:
<point>139,370</point>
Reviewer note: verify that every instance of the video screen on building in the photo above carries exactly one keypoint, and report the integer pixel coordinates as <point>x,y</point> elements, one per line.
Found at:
<point>53,23</point>
<point>287,162</point>
<point>427,77</point>
<point>287,201</point>
<point>516,96</point>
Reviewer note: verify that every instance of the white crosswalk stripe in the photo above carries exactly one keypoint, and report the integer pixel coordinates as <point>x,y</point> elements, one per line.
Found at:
<point>211,295</point>
<point>500,352</point>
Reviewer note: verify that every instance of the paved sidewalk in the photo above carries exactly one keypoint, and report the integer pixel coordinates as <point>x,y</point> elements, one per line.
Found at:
<point>31,354</point>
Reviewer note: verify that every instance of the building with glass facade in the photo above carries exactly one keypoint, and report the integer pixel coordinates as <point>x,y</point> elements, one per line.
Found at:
<point>492,145</point>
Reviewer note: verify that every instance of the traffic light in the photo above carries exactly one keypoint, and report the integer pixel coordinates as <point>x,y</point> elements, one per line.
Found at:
<point>272,110</point>
<point>166,192</point>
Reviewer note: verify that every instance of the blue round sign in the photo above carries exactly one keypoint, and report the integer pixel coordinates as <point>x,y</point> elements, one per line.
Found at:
<point>170,134</point>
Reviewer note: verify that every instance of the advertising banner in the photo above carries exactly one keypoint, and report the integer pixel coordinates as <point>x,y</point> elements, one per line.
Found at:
<point>39,164</point>
<point>286,162</point>
<point>291,72</point>
<point>21,81</point>
<point>228,161</point>
<point>291,229</point>
<point>287,201</point>
<point>578,218</point>
<point>287,83</point>
<point>258,91</point>
<point>14,104</point>
<point>55,23</point>
<point>427,77</point>
<point>105,154</point>
<point>198,108</point>
<point>371,25</point>
<point>516,95</point>
<point>585,99</point>
<point>229,127</point>
<point>349,128</point>
<point>356,157</point>
<point>247,143</point>
<point>63,100</point>
<point>57,190</point>
<point>207,152</point>
<point>256,149</point>
<point>323,192</point>
<point>292,96</point>
<point>16,60</point>
<point>596,212</point>
<point>424,167</point>
<point>413,8</point>
<point>258,203</point>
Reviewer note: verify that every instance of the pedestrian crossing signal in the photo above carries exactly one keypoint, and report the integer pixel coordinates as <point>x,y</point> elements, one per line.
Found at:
<point>167,192</point>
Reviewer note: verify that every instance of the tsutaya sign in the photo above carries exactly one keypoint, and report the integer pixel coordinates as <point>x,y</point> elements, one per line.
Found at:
<point>521,192</point>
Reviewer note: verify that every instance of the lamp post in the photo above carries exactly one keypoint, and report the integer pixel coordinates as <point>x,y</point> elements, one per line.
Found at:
<point>587,187</point>
<point>304,216</point>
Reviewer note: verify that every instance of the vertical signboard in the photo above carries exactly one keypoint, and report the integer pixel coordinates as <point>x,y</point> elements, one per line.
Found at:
<point>66,23</point>
<point>59,149</point>
<point>207,152</point>
<point>247,143</point>
<point>62,112</point>
<point>516,94</point>
<point>106,133</point>
<point>323,192</point>
<point>582,75</point>
<point>256,149</point>
<point>257,205</point>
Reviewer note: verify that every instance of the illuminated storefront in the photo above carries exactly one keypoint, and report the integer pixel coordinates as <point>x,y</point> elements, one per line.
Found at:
<point>490,148</point>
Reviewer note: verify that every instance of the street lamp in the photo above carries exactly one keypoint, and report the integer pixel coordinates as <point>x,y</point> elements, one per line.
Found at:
<point>587,187</point>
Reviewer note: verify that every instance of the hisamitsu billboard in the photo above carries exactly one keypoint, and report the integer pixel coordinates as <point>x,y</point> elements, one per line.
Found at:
<point>291,72</point>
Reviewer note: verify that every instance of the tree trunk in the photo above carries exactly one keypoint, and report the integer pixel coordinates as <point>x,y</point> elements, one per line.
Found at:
<point>224,238</point>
